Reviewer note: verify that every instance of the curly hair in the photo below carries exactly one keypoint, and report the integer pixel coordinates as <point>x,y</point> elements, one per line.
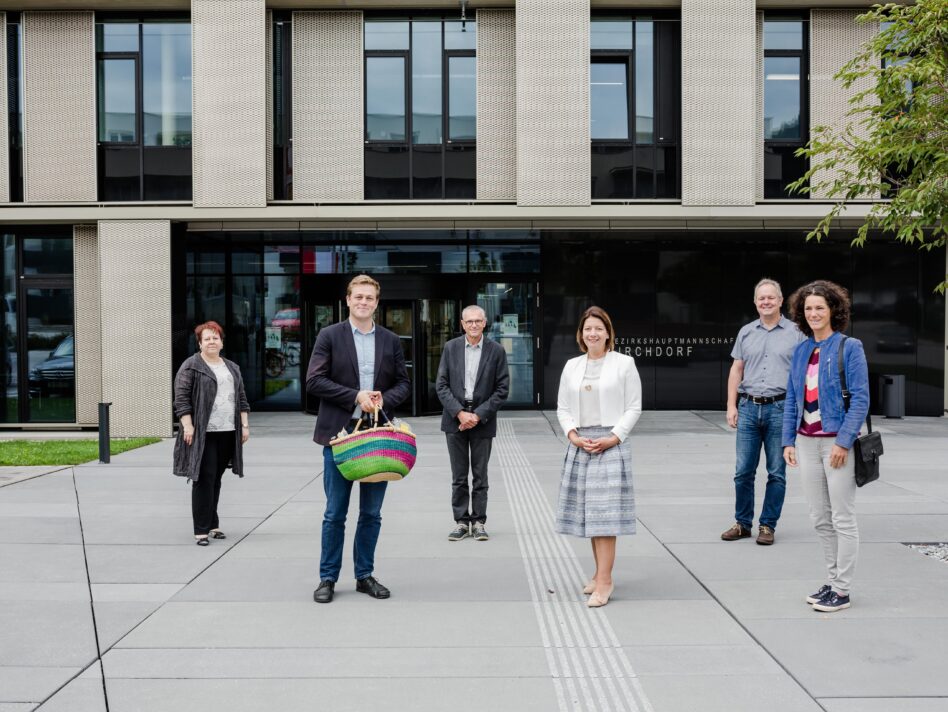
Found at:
<point>836,298</point>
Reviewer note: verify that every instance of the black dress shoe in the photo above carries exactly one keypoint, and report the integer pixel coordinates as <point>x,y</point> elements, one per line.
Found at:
<point>372,587</point>
<point>324,592</point>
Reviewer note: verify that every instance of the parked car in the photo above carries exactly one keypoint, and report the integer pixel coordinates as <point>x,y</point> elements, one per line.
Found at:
<point>287,318</point>
<point>57,374</point>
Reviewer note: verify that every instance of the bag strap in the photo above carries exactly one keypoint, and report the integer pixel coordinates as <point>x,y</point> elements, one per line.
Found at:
<point>842,381</point>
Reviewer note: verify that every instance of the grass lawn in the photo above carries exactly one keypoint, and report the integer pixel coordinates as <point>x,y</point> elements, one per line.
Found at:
<point>62,452</point>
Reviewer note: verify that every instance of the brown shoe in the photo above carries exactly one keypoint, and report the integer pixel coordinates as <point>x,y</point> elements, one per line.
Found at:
<point>765,535</point>
<point>736,532</point>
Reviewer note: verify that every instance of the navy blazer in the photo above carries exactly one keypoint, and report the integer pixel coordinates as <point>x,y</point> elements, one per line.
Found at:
<point>333,376</point>
<point>490,387</point>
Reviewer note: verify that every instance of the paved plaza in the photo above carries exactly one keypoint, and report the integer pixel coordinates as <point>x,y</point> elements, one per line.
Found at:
<point>106,604</point>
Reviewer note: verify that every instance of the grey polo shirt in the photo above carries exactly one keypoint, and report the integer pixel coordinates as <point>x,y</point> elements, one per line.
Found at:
<point>766,355</point>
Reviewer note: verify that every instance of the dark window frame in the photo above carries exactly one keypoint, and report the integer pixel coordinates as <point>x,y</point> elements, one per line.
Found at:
<point>803,54</point>
<point>446,145</point>
<point>14,104</point>
<point>282,108</point>
<point>101,146</point>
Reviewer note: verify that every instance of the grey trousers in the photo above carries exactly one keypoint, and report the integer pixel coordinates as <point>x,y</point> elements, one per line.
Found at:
<point>831,495</point>
<point>469,503</point>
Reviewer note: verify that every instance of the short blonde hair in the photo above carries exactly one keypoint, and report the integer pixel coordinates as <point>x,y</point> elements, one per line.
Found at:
<point>363,279</point>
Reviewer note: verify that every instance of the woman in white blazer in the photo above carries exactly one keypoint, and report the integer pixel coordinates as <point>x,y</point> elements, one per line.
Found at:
<point>600,400</point>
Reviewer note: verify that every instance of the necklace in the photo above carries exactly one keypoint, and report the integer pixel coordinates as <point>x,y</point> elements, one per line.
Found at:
<point>588,387</point>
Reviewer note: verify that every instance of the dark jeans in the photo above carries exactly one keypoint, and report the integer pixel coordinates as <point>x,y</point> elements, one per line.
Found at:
<point>205,493</point>
<point>759,425</point>
<point>469,505</point>
<point>338,489</point>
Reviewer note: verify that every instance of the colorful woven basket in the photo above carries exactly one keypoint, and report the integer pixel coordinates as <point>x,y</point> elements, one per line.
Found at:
<point>382,453</point>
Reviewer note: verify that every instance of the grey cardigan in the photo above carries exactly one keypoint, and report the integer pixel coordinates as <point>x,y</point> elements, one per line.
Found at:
<point>195,388</point>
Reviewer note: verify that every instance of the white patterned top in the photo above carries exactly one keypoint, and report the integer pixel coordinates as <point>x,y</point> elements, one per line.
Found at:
<point>222,412</point>
<point>589,411</point>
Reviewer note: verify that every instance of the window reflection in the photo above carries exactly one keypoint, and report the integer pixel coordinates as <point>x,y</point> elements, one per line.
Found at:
<point>644,91</point>
<point>610,33</point>
<point>426,82</point>
<point>609,109</point>
<point>51,355</point>
<point>783,34</point>
<point>782,97</point>
<point>462,98</point>
<point>116,37</point>
<point>166,93</point>
<point>117,101</point>
<point>460,35</point>
<point>382,34</point>
<point>385,98</point>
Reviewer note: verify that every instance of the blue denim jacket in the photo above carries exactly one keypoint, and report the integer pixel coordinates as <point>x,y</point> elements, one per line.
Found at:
<point>835,418</point>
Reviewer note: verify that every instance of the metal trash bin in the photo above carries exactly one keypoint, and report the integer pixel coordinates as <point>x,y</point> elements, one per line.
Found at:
<point>893,396</point>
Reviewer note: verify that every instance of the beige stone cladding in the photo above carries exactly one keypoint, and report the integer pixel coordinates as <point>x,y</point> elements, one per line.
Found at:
<point>496,105</point>
<point>88,350</point>
<point>328,134</point>
<point>719,102</point>
<point>135,303</point>
<point>229,85</point>
<point>59,108</point>
<point>553,145</point>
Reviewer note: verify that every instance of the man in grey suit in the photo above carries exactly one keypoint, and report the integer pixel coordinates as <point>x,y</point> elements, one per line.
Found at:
<point>473,382</point>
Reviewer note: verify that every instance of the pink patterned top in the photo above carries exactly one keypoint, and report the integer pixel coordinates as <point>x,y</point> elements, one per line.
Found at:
<point>812,423</point>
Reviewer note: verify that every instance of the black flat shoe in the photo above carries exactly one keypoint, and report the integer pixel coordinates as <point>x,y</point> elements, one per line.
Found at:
<point>324,592</point>
<point>202,541</point>
<point>372,587</point>
<point>218,534</point>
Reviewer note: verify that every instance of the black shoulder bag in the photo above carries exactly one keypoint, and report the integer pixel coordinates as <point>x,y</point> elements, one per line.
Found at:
<point>866,448</point>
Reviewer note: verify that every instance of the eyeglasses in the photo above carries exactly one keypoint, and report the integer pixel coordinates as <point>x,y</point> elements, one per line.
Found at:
<point>473,322</point>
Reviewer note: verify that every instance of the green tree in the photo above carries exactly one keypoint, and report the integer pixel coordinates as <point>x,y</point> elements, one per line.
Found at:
<point>895,143</point>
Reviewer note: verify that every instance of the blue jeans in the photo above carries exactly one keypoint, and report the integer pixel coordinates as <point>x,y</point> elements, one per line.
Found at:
<point>759,425</point>
<point>338,489</point>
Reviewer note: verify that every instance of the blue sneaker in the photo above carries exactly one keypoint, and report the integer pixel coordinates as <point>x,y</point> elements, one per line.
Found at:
<point>833,602</point>
<point>825,590</point>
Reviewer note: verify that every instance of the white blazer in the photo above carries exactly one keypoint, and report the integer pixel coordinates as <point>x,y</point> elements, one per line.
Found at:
<point>620,393</point>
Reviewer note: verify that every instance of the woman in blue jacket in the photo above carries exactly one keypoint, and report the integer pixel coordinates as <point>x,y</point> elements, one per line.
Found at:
<point>818,431</point>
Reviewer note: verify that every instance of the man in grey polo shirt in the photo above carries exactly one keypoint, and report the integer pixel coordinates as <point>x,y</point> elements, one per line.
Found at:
<point>756,389</point>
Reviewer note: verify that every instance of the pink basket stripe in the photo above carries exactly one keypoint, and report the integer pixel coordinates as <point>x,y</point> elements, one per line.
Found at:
<point>405,457</point>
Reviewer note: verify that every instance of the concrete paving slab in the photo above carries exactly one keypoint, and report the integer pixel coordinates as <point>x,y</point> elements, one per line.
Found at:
<point>900,657</point>
<point>32,684</point>
<point>114,619</point>
<point>137,592</point>
<point>17,706</point>
<point>14,474</point>
<point>888,704</point>
<point>80,695</point>
<point>44,591</point>
<point>677,660</point>
<point>42,563</point>
<point>686,622</point>
<point>314,663</point>
<point>306,624</point>
<point>416,694</point>
<point>152,564</point>
<point>40,530</point>
<point>148,510</point>
<point>135,530</point>
<point>12,509</point>
<point>726,693</point>
<point>53,633</point>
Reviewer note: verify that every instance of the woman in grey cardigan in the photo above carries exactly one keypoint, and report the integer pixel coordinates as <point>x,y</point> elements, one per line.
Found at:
<point>210,402</point>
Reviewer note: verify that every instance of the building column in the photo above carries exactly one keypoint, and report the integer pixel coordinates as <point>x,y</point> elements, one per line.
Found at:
<point>328,128</point>
<point>135,308</point>
<point>835,38</point>
<point>718,102</point>
<point>229,85</point>
<point>59,108</point>
<point>496,105</point>
<point>88,351</point>
<point>553,144</point>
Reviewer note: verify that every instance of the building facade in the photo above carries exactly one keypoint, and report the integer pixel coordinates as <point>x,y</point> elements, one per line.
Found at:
<point>168,162</point>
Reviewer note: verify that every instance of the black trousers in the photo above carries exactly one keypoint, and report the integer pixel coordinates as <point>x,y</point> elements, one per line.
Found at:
<point>466,452</point>
<point>205,493</point>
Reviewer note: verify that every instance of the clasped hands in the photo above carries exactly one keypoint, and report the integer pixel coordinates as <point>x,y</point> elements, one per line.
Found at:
<point>594,446</point>
<point>467,420</point>
<point>369,400</point>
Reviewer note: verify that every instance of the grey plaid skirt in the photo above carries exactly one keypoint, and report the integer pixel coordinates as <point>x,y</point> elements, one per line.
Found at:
<point>596,495</point>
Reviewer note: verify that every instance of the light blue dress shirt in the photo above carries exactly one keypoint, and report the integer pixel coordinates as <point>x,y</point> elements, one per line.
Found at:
<point>365,355</point>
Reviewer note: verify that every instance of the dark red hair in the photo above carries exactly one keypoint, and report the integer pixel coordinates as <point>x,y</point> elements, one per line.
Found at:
<point>210,326</point>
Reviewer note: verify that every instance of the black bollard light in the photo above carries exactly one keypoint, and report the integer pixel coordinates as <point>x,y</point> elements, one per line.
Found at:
<point>105,453</point>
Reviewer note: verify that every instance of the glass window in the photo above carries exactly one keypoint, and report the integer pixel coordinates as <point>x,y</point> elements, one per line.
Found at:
<point>382,34</point>
<point>460,35</point>
<point>50,349</point>
<point>14,110</point>
<point>644,90</point>
<point>9,389</point>
<point>781,97</point>
<point>117,119</point>
<point>426,82</point>
<point>783,34</point>
<point>47,255</point>
<point>385,98</point>
<point>166,75</point>
<point>505,258</point>
<point>610,33</point>
<point>462,98</point>
<point>116,37</point>
<point>609,107</point>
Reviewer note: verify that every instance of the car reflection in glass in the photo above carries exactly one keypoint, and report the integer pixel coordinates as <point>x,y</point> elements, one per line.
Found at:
<point>57,373</point>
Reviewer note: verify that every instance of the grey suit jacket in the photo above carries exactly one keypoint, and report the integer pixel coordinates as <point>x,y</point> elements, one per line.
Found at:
<point>490,388</point>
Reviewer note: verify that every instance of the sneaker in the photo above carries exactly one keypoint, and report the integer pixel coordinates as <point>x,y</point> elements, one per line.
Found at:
<point>738,531</point>
<point>765,535</point>
<point>833,602</point>
<point>460,532</point>
<point>480,534</point>
<point>825,590</point>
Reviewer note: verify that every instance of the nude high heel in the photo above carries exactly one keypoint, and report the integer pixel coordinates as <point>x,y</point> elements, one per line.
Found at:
<point>589,587</point>
<point>596,600</point>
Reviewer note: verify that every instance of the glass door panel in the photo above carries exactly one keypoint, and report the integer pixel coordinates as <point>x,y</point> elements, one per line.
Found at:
<point>398,317</point>
<point>510,317</point>
<point>50,354</point>
<point>9,408</point>
<point>438,322</point>
<point>282,336</point>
